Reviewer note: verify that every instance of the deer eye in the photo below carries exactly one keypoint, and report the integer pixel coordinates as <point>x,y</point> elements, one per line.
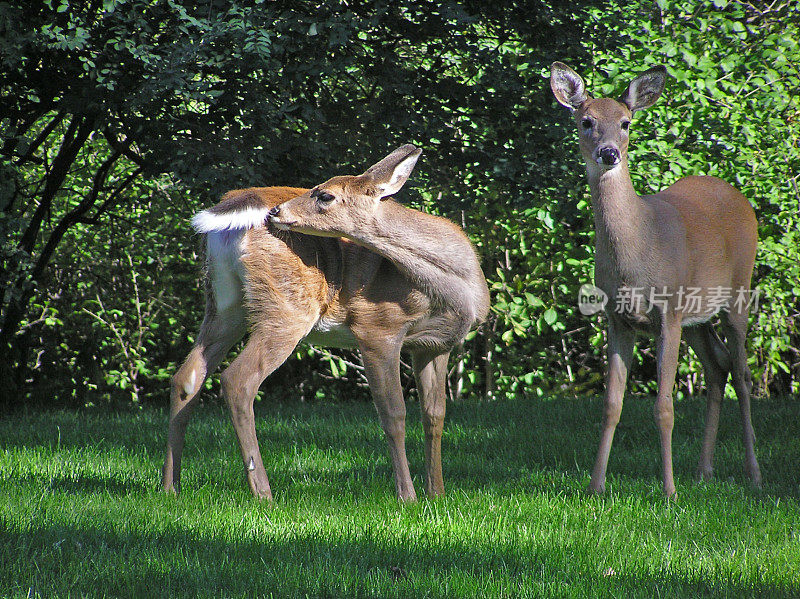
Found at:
<point>323,197</point>
<point>586,123</point>
<point>625,125</point>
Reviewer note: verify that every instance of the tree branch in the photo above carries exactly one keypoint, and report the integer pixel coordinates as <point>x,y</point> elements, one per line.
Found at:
<point>78,132</point>
<point>124,148</point>
<point>74,215</point>
<point>27,156</point>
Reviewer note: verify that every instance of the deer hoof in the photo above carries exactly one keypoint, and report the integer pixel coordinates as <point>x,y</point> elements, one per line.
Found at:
<point>595,488</point>
<point>704,474</point>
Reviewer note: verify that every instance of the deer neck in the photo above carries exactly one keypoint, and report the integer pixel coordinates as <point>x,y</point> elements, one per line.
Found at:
<point>622,220</point>
<point>432,252</point>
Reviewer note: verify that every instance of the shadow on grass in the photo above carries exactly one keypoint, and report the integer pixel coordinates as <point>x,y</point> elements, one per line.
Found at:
<point>81,484</point>
<point>54,561</point>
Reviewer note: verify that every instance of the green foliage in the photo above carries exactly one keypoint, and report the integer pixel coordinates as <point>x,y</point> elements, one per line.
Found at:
<point>120,119</point>
<point>730,110</point>
<point>107,319</point>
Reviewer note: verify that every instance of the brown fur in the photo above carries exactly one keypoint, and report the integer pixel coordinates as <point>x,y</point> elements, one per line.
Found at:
<point>699,233</point>
<point>240,199</point>
<point>329,290</point>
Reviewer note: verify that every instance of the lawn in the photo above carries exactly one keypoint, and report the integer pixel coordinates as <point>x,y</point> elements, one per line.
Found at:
<point>81,513</point>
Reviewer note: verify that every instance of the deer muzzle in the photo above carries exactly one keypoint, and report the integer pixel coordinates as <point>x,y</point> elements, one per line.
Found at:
<point>278,219</point>
<point>608,156</point>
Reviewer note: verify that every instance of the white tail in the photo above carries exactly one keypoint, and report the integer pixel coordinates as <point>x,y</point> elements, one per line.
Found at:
<point>687,251</point>
<point>338,265</point>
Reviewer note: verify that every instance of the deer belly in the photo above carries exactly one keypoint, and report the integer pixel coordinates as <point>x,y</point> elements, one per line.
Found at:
<point>331,333</point>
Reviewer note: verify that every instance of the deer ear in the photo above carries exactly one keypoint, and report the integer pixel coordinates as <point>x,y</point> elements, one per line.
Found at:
<point>391,173</point>
<point>567,86</point>
<point>645,89</point>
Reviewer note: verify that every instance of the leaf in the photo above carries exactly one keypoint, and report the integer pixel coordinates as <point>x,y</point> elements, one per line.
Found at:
<point>533,300</point>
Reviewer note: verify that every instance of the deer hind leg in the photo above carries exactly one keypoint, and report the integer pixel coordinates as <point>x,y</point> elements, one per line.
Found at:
<point>382,367</point>
<point>716,361</point>
<point>266,349</point>
<point>735,328</point>
<point>430,371</point>
<point>218,333</point>
<point>621,340</point>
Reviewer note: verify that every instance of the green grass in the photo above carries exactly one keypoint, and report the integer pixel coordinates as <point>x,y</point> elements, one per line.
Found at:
<point>81,513</point>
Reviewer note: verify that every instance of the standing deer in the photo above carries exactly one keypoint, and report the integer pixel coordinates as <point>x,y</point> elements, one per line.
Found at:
<point>339,265</point>
<point>696,238</point>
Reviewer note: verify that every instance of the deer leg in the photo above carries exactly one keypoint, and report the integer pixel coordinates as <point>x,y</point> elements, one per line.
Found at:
<point>735,327</point>
<point>667,350</point>
<point>621,340</point>
<point>217,335</point>
<point>382,367</point>
<point>430,371</point>
<point>714,356</point>
<point>264,352</point>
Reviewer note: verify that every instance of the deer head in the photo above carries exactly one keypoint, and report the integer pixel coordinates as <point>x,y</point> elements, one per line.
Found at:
<point>342,205</point>
<point>603,123</point>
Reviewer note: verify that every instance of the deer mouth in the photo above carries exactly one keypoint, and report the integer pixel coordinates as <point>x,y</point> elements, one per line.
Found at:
<point>281,225</point>
<point>606,166</point>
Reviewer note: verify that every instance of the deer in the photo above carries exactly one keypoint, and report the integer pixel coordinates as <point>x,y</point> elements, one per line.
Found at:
<point>697,238</point>
<point>339,265</point>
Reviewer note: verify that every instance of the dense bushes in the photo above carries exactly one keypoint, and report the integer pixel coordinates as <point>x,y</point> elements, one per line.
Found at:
<point>124,120</point>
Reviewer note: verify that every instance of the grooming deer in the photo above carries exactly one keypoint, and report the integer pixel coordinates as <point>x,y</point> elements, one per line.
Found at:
<point>695,238</point>
<point>339,265</point>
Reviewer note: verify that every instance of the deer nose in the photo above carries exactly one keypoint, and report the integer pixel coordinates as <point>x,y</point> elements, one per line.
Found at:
<point>608,155</point>
<point>274,212</point>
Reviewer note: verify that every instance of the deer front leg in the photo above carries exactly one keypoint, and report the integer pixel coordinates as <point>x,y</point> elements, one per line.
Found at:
<point>430,372</point>
<point>621,339</point>
<point>382,367</point>
<point>667,349</point>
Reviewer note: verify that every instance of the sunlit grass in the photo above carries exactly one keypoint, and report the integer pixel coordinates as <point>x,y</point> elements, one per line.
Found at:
<point>81,513</point>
